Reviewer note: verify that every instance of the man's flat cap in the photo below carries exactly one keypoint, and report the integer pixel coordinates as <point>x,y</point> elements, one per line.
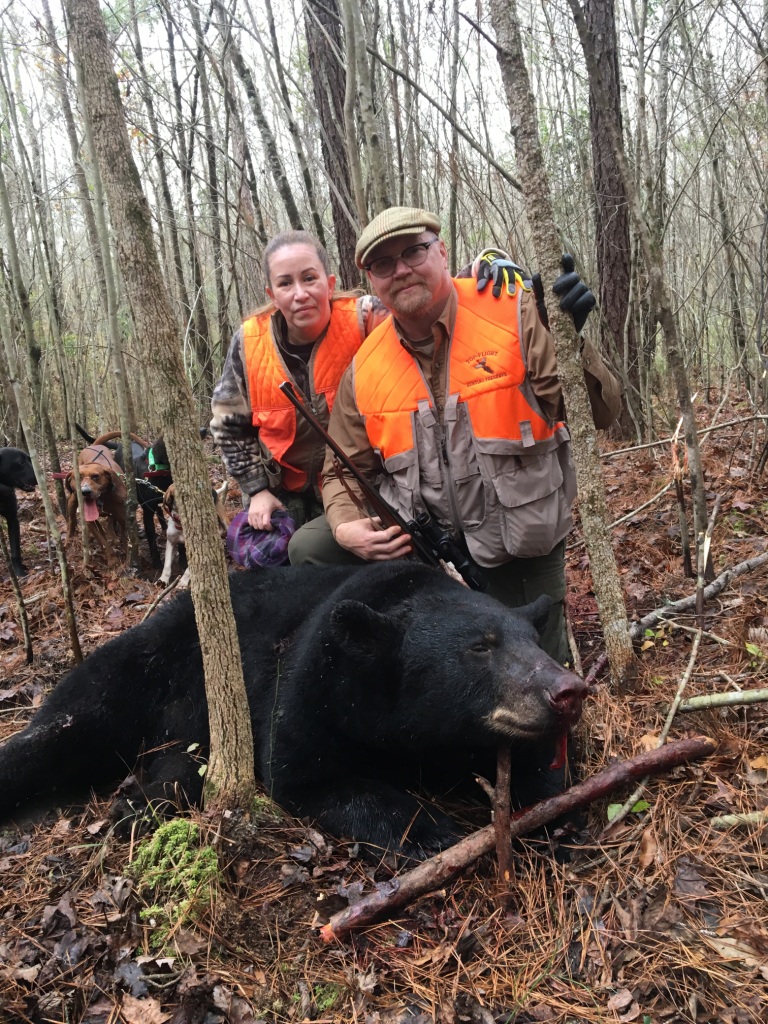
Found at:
<point>397,220</point>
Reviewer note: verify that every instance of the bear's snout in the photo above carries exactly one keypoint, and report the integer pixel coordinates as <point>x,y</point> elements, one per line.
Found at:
<point>566,695</point>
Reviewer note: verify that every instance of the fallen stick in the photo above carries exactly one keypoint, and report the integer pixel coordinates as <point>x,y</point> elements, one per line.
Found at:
<point>433,873</point>
<point>723,700</point>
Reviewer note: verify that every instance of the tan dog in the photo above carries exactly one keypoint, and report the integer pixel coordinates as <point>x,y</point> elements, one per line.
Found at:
<point>103,489</point>
<point>174,534</point>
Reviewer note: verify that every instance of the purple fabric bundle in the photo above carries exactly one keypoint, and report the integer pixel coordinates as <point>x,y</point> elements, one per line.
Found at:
<point>260,549</point>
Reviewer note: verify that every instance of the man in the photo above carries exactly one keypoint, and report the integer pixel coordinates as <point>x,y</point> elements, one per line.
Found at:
<point>453,406</point>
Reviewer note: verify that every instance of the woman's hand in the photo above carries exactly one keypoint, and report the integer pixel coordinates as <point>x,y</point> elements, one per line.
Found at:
<point>260,510</point>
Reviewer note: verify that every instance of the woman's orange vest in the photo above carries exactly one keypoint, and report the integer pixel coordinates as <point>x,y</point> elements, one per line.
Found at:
<point>265,370</point>
<point>486,371</point>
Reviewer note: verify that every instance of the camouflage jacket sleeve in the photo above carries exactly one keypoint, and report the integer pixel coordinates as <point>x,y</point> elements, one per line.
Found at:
<point>231,424</point>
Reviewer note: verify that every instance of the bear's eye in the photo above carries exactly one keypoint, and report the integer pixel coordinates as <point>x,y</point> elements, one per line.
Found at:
<point>481,646</point>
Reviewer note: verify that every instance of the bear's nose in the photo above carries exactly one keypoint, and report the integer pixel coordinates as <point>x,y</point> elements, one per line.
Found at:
<point>566,695</point>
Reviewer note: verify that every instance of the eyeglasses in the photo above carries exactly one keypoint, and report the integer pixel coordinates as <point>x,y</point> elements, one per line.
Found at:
<point>413,256</point>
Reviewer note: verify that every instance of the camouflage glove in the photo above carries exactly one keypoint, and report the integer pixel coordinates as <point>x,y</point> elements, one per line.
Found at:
<point>576,299</point>
<point>503,272</point>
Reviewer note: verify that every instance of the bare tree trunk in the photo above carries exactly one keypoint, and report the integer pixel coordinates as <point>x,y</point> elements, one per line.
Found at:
<point>356,36</point>
<point>293,128</point>
<point>453,156</point>
<point>408,53</point>
<point>169,213</point>
<point>222,320</point>
<point>592,503</point>
<point>230,779</point>
<point>350,105</point>
<point>274,160</point>
<point>325,55</point>
<point>29,434</point>
<point>113,332</point>
<point>614,262</point>
<point>198,315</point>
<point>16,285</point>
<point>662,303</point>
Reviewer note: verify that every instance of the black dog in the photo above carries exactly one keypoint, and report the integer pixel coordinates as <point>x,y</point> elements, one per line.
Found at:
<point>15,471</point>
<point>152,473</point>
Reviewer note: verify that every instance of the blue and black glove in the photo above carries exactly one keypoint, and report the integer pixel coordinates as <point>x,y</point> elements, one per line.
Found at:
<point>503,272</point>
<point>575,297</point>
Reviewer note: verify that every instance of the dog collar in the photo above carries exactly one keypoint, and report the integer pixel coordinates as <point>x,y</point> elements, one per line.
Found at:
<point>156,466</point>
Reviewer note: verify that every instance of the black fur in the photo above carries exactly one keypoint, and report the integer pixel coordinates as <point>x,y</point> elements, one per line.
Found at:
<point>362,684</point>
<point>15,472</point>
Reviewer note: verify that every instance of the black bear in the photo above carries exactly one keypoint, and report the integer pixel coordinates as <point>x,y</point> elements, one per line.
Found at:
<point>361,682</point>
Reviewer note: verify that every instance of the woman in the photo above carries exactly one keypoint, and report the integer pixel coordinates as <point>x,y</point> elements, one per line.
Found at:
<point>307,334</point>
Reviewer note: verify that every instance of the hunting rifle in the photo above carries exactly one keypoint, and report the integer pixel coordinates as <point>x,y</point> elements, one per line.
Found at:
<point>431,542</point>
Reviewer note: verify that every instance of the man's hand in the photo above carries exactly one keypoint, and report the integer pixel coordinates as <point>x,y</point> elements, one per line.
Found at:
<point>575,297</point>
<point>367,540</point>
<point>503,272</point>
<point>260,510</point>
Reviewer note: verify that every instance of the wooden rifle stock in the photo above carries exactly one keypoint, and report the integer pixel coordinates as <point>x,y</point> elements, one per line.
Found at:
<point>432,544</point>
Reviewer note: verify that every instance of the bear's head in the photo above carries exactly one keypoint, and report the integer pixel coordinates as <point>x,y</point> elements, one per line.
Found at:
<point>420,659</point>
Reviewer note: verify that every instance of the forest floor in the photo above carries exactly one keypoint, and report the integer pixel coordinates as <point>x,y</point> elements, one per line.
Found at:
<point>661,918</point>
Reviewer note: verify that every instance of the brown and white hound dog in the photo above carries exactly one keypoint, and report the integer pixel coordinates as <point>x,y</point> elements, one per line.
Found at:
<point>174,534</point>
<point>102,486</point>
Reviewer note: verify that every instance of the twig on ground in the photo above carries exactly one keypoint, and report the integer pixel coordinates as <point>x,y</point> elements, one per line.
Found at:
<point>704,570</point>
<point>502,814</point>
<point>685,603</point>
<point>723,700</point>
<point>724,821</point>
<point>171,586</point>
<point>630,802</point>
<point>22,608</point>
<point>435,872</point>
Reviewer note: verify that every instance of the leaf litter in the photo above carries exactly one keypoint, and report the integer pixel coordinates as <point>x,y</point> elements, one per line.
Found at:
<point>658,917</point>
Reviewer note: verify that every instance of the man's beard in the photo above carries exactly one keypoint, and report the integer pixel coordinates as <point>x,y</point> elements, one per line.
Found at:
<point>416,300</point>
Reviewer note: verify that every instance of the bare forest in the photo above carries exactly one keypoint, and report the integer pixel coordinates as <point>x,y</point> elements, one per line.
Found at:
<point>149,149</point>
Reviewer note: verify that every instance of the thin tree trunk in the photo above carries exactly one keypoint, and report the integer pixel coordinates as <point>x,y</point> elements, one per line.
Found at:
<point>230,778</point>
<point>34,350</point>
<point>453,156</point>
<point>293,128</point>
<point>614,264</point>
<point>592,503</point>
<point>274,160</point>
<point>662,303</point>
<point>113,333</point>
<point>324,53</point>
<point>222,320</point>
<point>169,213</point>
<point>198,316</point>
<point>356,36</point>
<point>350,106</point>
<point>27,427</point>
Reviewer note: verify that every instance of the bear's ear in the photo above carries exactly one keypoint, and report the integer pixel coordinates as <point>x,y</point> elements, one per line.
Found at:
<point>357,626</point>
<point>537,612</point>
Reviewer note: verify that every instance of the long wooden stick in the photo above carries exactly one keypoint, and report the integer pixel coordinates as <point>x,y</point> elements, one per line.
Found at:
<point>435,872</point>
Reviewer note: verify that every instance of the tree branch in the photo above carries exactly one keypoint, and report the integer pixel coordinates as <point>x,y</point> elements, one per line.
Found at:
<point>435,872</point>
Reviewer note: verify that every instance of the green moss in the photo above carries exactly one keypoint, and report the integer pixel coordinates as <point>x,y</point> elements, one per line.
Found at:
<point>177,874</point>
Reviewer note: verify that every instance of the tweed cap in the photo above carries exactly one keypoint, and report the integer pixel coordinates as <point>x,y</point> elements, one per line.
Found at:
<point>397,220</point>
<point>260,549</point>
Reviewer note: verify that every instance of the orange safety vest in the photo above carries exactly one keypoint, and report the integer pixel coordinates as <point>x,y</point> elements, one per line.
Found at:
<point>486,371</point>
<point>492,466</point>
<point>265,370</point>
